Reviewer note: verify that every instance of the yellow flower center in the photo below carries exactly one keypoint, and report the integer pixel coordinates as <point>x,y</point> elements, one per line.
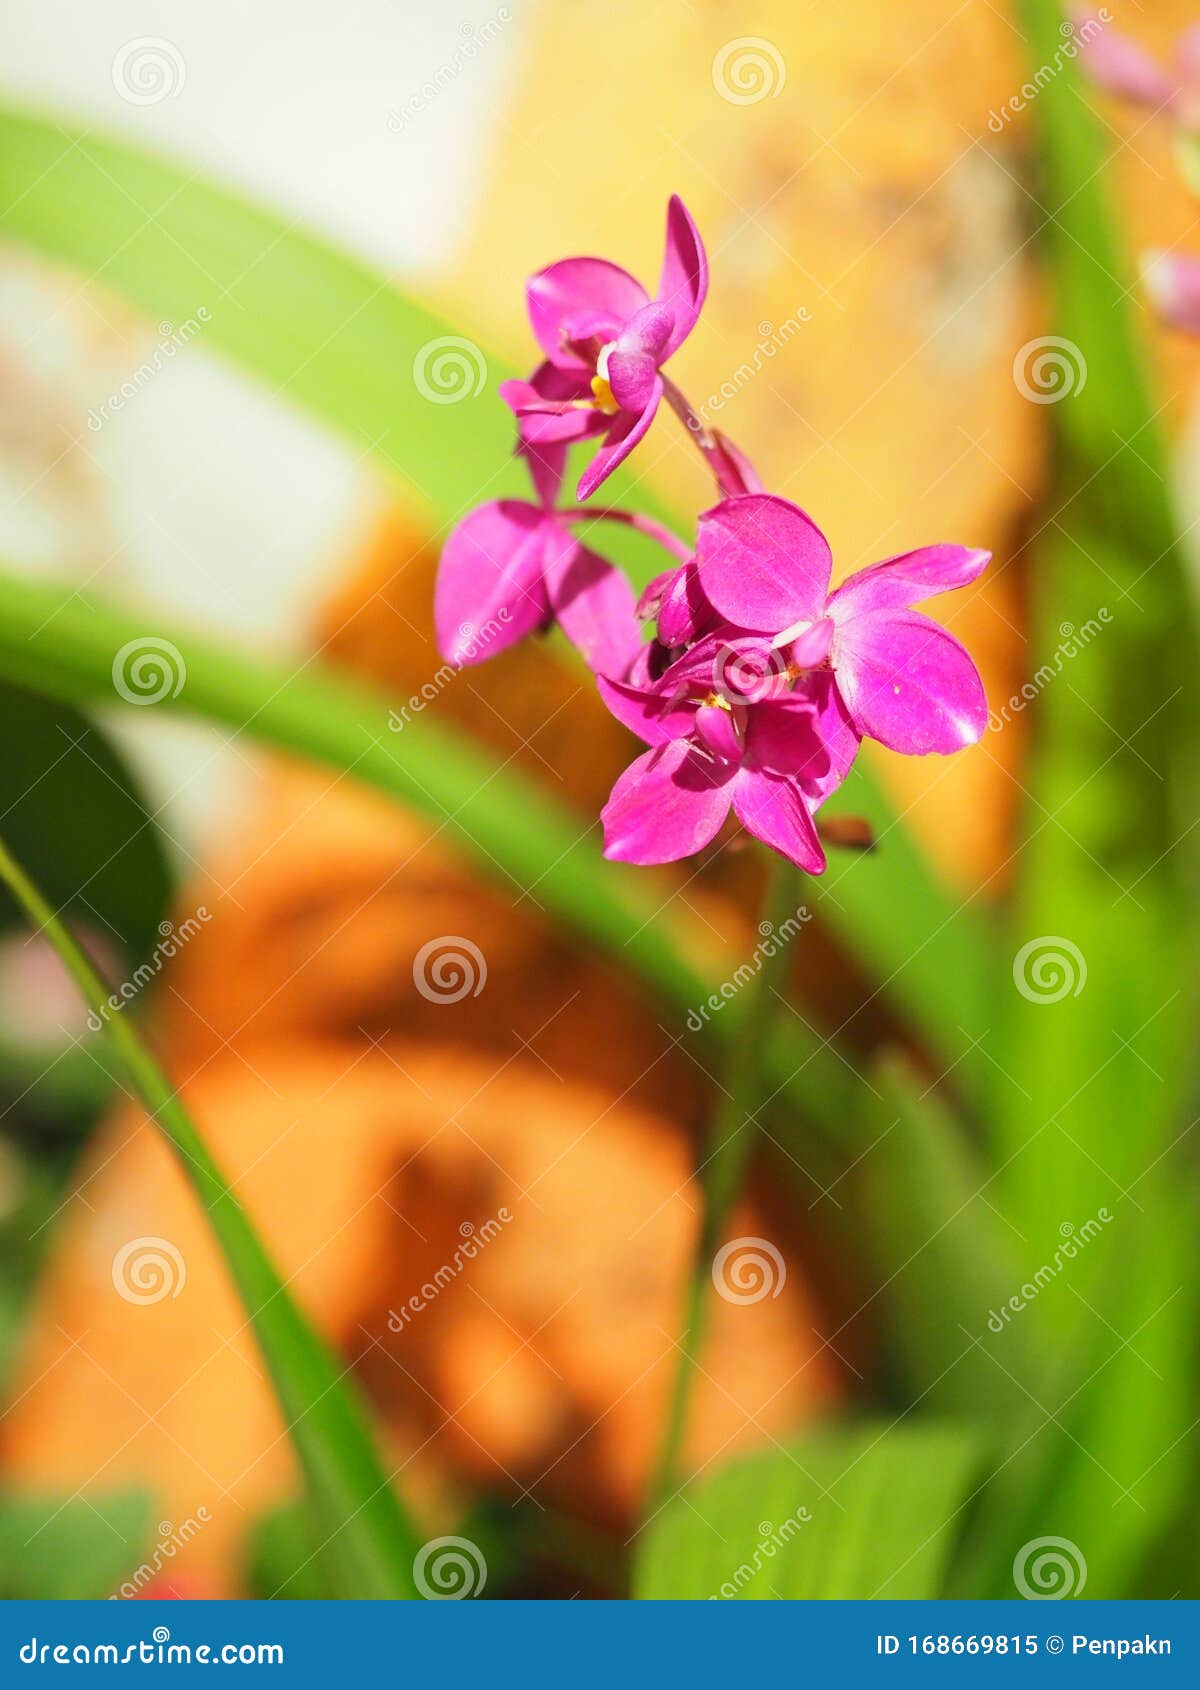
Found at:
<point>604,396</point>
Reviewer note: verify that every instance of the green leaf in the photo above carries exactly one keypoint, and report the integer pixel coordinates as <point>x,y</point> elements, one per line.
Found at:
<point>846,1513</point>
<point>327,332</point>
<point>64,1549</point>
<point>367,1541</point>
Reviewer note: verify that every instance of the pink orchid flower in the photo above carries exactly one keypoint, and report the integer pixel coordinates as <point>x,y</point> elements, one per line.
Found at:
<point>764,759</point>
<point>762,567</point>
<point>1173,283</point>
<point>1117,64</point>
<point>511,567</point>
<point>605,342</point>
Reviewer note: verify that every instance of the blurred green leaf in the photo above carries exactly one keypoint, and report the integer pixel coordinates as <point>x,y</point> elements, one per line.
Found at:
<point>846,1513</point>
<point>368,1544</point>
<point>70,1548</point>
<point>329,333</point>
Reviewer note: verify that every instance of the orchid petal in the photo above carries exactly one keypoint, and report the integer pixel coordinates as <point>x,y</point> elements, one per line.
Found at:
<point>836,731</point>
<point>631,376</point>
<point>1117,64</point>
<point>576,297</point>
<point>646,711</point>
<point>762,562</point>
<point>908,683</point>
<point>592,602</point>
<point>782,735</point>
<point>717,731</point>
<point>902,581</point>
<point>546,464</point>
<point>627,429</point>
<point>668,804</point>
<point>772,808</point>
<point>489,588</point>
<point>1173,283</point>
<point>683,283</point>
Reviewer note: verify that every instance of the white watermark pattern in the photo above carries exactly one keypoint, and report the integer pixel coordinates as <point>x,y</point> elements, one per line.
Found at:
<point>747,70</point>
<point>474,1239</point>
<point>773,338</point>
<point>1048,1569</point>
<point>748,1269</point>
<point>147,70</point>
<point>449,968</point>
<point>1074,37</point>
<point>449,369</point>
<point>171,1540</point>
<point>447,1569</point>
<point>1049,368</point>
<point>172,341</point>
<point>172,938</point>
<point>772,1539</point>
<point>1072,640</point>
<point>1049,968</point>
<point>147,670</point>
<point>772,937</point>
<point>473,643</point>
<point>472,38</point>
<point>148,1270</point>
<point>1074,1241</point>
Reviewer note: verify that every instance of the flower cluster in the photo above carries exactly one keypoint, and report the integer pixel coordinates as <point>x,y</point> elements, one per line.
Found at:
<point>1118,65</point>
<point>750,682</point>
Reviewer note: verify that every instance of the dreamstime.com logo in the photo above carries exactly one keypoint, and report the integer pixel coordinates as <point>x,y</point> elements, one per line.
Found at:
<point>1047,1569</point>
<point>147,670</point>
<point>449,369</point>
<point>447,1569</point>
<point>1049,968</point>
<point>172,341</point>
<point>147,70</point>
<point>747,70</point>
<point>148,1270</point>
<point>172,939</point>
<point>474,1240</point>
<point>1049,368</point>
<point>772,1539</point>
<point>773,338</point>
<point>1075,1239</point>
<point>171,1540</point>
<point>155,1650</point>
<point>1072,640</point>
<point>471,38</point>
<point>748,1269</point>
<point>1074,37</point>
<point>473,644</point>
<point>449,968</point>
<point>772,938</point>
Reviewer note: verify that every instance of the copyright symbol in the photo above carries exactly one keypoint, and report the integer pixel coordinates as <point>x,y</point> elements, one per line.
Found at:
<point>1055,1645</point>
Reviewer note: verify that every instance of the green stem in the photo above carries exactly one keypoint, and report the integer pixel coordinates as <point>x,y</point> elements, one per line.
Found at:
<point>371,1544</point>
<point>731,1142</point>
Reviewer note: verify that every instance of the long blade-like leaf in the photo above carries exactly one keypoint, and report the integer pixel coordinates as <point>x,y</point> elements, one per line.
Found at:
<point>369,1545</point>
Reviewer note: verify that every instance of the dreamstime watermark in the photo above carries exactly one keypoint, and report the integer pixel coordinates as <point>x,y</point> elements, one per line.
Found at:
<point>1049,968</point>
<point>171,1540</point>
<point>746,1270</point>
<point>447,1569</point>
<point>449,369</point>
<point>1072,640</point>
<point>1049,368</point>
<point>147,70</point>
<point>773,338</point>
<point>474,1240</point>
<point>1047,1569</point>
<point>1074,1240</point>
<point>473,644</point>
<point>449,968</point>
<point>748,69</point>
<point>172,938</point>
<point>772,1539</point>
<point>147,670</point>
<point>172,341</point>
<point>1074,36</point>
<point>148,1270</point>
<point>772,938</point>
<point>473,37</point>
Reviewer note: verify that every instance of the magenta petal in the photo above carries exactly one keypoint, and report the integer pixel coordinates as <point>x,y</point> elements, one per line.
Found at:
<point>576,290</point>
<point>740,475</point>
<point>772,808</point>
<point>592,602</point>
<point>1119,65</point>
<point>717,730</point>
<point>668,804</point>
<point>908,683</point>
<point>652,595</point>
<point>627,429</point>
<point>684,612</point>
<point>684,281</point>
<point>1173,283</point>
<point>902,581</point>
<point>489,588</point>
<point>762,562</point>
<point>632,376</point>
<point>646,711</point>
<point>546,464</point>
<point>836,732</point>
<point>782,736</point>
